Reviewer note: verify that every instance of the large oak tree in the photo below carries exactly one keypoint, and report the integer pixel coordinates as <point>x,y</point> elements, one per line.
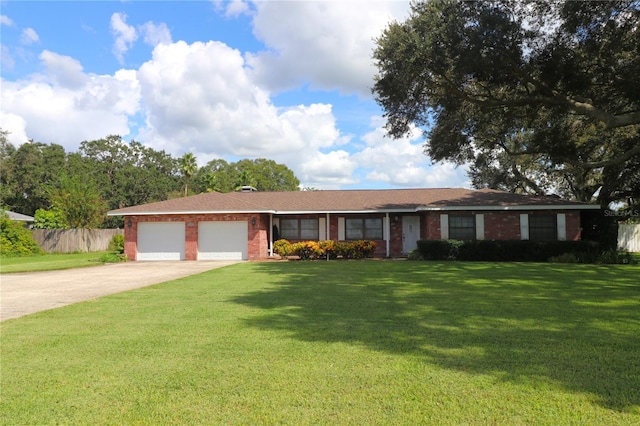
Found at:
<point>538,97</point>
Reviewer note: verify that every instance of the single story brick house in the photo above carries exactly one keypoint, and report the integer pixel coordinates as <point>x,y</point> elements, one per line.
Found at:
<point>244,225</point>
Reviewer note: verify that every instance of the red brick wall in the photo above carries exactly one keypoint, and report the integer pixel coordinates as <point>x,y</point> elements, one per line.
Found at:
<point>431,226</point>
<point>501,225</point>
<point>395,236</point>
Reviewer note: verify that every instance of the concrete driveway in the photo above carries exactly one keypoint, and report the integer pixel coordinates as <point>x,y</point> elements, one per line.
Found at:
<point>26,293</point>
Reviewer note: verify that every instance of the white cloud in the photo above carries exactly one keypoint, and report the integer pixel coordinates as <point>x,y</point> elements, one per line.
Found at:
<point>64,70</point>
<point>16,126</point>
<point>402,162</point>
<point>156,34</point>
<point>236,8</point>
<point>29,36</point>
<point>6,57</point>
<point>64,105</point>
<point>200,97</point>
<point>232,8</point>
<point>5,20</point>
<point>327,171</point>
<point>125,35</point>
<point>327,43</point>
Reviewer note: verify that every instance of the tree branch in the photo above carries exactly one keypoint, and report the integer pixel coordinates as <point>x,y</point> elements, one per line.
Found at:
<point>606,163</point>
<point>528,182</point>
<point>611,121</point>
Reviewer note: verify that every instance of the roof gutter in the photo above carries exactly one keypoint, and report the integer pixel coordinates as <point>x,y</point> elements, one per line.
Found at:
<point>512,208</point>
<point>151,213</point>
<point>417,209</point>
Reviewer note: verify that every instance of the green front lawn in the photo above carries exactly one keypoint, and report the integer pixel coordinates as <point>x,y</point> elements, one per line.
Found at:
<point>354,342</point>
<point>49,262</point>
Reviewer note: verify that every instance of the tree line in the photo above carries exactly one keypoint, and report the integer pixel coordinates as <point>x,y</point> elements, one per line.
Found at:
<point>75,189</point>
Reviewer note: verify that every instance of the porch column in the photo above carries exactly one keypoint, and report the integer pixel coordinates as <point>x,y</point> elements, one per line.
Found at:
<point>270,234</point>
<point>328,228</point>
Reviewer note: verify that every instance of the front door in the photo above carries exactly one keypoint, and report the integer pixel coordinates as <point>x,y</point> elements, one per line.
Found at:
<point>410,233</point>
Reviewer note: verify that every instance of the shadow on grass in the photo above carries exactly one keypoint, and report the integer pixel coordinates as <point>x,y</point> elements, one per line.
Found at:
<point>575,326</point>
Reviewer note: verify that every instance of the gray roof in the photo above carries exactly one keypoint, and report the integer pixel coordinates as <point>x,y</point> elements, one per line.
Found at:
<point>20,217</point>
<point>345,201</point>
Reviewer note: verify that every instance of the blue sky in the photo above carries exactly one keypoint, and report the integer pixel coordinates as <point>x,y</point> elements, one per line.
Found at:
<point>284,80</point>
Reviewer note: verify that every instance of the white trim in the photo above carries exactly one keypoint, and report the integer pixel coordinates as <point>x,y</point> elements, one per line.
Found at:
<point>444,226</point>
<point>510,208</point>
<point>417,209</point>
<point>561,224</point>
<point>524,226</point>
<point>479,226</point>
<point>322,227</point>
<point>341,233</point>
<point>191,212</point>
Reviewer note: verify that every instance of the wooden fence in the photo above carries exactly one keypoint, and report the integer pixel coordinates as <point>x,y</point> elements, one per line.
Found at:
<point>74,240</point>
<point>629,237</point>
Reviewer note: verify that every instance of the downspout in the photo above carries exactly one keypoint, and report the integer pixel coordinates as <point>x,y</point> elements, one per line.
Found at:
<point>387,230</point>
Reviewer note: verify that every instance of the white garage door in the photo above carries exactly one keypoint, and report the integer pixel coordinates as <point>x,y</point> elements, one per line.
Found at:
<point>161,241</point>
<point>222,241</point>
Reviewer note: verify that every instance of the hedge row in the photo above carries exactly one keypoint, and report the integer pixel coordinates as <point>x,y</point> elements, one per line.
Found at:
<point>307,250</point>
<point>506,250</point>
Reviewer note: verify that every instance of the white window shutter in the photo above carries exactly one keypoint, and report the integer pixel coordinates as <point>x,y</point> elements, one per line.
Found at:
<point>341,228</point>
<point>524,226</point>
<point>479,227</point>
<point>561,222</point>
<point>322,228</point>
<point>444,226</point>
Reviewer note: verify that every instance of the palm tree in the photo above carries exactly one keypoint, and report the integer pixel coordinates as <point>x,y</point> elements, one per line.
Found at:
<point>211,182</point>
<point>188,166</point>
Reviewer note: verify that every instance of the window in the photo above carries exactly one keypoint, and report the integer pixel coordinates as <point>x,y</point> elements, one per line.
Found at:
<point>299,229</point>
<point>308,229</point>
<point>462,228</point>
<point>363,229</point>
<point>543,228</point>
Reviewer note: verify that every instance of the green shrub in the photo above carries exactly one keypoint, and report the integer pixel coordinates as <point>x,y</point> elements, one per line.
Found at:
<point>355,249</point>
<point>328,248</point>
<point>414,255</point>
<point>565,258</point>
<point>506,250</point>
<point>282,248</point>
<point>307,250</point>
<point>15,239</point>
<point>50,219</point>
<point>614,257</point>
<point>113,258</point>
<point>364,248</point>
<point>117,244</point>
